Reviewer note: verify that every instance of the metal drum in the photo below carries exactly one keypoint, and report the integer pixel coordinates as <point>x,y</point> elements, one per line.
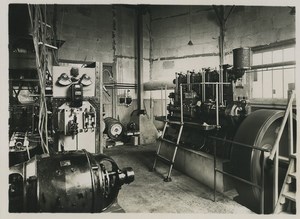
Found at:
<point>242,58</point>
<point>73,181</point>
<point>259,129</point>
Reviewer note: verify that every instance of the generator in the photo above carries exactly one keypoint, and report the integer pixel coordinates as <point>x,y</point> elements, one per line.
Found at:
<point>66,182</point>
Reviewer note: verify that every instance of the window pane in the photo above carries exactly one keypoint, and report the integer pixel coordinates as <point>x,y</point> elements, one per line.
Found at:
<point>288,78</point>
<point>289,54</point>
<point>257,86</point>
<point>267,57</point>
<point>277,56</point>
<point>257,59</point>
<point>277,84</point>
<point>267,84</point>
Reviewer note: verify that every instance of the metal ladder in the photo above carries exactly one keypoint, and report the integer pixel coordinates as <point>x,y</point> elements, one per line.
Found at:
<point>162,158</point>
<point>288,194</point>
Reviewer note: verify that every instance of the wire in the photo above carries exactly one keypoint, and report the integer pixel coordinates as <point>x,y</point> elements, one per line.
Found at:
<point>39,28</point>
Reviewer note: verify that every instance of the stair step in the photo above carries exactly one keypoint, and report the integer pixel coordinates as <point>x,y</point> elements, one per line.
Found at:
<point>293,175</point>
<point>290,195</point>
<point>164,159</point>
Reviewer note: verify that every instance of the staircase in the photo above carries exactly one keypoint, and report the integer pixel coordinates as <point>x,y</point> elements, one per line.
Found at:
<point>287,198</point>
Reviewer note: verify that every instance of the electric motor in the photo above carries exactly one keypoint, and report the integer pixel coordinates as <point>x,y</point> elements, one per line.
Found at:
<point>71,181</point>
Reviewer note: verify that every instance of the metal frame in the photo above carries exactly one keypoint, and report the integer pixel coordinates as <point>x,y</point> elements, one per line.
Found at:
<point>261,187</point>
<point>274,155</point>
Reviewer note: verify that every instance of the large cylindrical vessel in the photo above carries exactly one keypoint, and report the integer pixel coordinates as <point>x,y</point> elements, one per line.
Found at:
<point>242,58</point>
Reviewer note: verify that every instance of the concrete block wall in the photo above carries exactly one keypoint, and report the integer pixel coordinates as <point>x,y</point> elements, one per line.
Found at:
<point>253,26</point>
<point>104,33</point>
<point>247,26</point>
<point>87,32</point>
<point>172,28</point>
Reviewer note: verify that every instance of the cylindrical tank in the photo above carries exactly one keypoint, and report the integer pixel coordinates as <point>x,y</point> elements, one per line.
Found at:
<point>242,58</point>
<point>113,128</point>
<point>72,181</point>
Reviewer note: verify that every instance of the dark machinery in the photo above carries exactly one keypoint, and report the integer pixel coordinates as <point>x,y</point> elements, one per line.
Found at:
<point>197,103</point>
<point>114,129</point>
<point>72,181</point>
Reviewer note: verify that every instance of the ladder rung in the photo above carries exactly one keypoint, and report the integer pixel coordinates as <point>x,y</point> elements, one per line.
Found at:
<point>164,159</point>
<point>166,140</point>
<point>290,196</point>
<point>293,175</point>
<point>173,122</point>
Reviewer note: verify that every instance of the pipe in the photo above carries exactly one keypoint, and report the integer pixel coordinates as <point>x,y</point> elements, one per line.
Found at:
<point>139,35</point>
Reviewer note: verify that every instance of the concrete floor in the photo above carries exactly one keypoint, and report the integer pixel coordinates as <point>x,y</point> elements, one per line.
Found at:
<point>150,194</point>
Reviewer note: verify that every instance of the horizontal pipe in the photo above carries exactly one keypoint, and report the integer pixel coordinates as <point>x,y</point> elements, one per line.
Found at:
<point>208,83</point>
<point>273,65</point>
<point>158,85</point>
<point>238,178</point>
<point>241,144</point>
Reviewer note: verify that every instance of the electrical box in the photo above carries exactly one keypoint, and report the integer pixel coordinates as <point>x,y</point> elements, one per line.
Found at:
<point>77,127</point>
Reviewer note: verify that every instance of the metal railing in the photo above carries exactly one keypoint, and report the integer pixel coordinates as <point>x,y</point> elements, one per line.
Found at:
<point>274,155</point>
<point>260,186</point>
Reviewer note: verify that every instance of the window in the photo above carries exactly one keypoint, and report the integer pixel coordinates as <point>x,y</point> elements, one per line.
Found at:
<point>272,71</point>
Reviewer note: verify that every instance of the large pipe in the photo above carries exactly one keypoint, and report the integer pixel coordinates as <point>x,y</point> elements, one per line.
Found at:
<point>139,35</point>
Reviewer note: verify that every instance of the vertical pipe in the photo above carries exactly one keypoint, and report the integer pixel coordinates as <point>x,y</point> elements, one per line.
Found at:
<point>222,37</point>
<point>181,105</point>
<point>161,101</point>
<point>99,95</point>
<point>215,173</point>
<point>262,195</point>
<point>166,112</point>
<point>217,104</point>
<point>139,34</point>
<point>275,191</point>
<point>203,86</point>
<point>291,131</point>
<point>188,81</point>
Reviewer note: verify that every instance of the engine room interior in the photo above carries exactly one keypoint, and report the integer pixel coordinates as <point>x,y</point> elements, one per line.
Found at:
<point>146,108</point>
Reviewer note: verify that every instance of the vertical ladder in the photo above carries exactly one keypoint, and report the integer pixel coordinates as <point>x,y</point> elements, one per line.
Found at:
<point>162,158</point>
<point>287,197</point>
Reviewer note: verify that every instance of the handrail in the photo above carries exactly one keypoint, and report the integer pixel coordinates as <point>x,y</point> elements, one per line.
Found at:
<point>274,153</point>
<point>260,186</point>
<point>286,114</point>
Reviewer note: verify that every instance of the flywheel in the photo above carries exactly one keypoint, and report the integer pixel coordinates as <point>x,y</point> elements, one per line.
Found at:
<point>259,129</point>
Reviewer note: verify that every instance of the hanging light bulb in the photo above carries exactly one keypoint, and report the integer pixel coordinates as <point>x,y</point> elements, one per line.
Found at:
<point>190,43</point>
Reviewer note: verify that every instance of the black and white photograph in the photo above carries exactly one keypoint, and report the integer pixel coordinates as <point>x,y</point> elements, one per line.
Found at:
<point>162,108</point>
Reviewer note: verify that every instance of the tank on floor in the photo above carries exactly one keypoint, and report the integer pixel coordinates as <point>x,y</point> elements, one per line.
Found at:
<point>73,181</point>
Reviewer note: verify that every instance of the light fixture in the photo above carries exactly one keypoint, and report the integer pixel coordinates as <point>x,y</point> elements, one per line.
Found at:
<point>64,80</point>
<point>86,80</point>
<point>190,43</point>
